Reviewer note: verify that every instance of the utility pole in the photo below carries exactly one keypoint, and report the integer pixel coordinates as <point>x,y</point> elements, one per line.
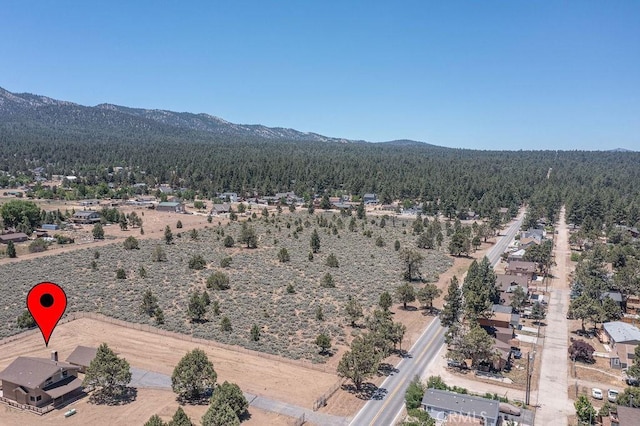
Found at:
<point>528,384</point>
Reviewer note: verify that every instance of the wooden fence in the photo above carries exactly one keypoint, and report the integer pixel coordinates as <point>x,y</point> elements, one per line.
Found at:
<point>38,410</point>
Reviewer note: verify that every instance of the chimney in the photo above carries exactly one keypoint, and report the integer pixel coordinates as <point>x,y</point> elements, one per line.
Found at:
<point>54,356</point>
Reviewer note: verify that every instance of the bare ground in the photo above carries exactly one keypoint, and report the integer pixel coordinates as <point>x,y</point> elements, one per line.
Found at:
<point>275,379</point>
<point>147,403</point>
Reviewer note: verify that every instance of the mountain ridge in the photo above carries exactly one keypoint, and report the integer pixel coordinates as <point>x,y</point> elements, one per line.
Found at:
<point>37,109</point>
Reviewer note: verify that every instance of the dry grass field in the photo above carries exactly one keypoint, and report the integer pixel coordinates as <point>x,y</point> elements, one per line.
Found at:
<point>258,295</point>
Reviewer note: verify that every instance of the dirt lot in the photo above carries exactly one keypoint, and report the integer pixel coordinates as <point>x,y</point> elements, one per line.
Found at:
<point>277,380</point>
<point>148,403</point>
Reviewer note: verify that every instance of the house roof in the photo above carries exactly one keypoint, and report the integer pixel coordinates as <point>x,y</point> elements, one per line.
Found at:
<point>63,387</point>
<point>221,207</point>
<point>32,372</point>
<point>85,213</point>
<point>628,416</point>
<point>622,332</point>
<point>518,253</point>
<point>502,309</point>
<point>616,296</point>
<point>14,236</point>
<point>505,282</point>
<point>501,316</point>
<point>518,265</point>
<point>169,204</point>
<point>82,356</point>
<point>465,404</point>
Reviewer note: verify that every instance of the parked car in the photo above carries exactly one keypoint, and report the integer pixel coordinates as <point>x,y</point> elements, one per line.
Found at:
<point>517,353</point>
<point>456,364</point>
<point>632,381</point>
<point>596,393</point>
<point>612,395</point>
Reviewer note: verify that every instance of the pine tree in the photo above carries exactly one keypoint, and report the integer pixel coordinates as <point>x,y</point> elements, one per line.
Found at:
<point>452,309</point>
<point>11,250</point>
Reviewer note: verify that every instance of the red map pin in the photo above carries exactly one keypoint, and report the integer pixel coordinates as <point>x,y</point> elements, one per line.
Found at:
<point>46,302</point>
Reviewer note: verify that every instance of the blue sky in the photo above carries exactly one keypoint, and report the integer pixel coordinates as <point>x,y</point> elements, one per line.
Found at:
<point>470,74</point>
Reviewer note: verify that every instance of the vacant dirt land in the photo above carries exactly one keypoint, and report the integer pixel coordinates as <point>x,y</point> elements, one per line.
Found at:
<point>274,379</point>
<point>147,403</point>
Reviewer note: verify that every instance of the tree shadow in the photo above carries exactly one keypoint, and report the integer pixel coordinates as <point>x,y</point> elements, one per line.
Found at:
<point>409,308</point>
<point>431,311</point>
<point>122,396</point>
<point>203,399</point>
<point>386,369</point>
<point>366,392</point>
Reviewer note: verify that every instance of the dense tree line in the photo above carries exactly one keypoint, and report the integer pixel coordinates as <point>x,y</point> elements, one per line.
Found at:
<point>481,181</point>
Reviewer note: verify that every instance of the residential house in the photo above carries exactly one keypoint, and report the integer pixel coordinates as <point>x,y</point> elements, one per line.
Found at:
<point>626,416</point>
<point>521,268</point>
<point>220,208</point>
<point>616,332</point>
<point>87,203</point>
<point>632,231</point>
<point>616,296</point>
<point>81,357</point>
<point>632,305</point>
<point>525,243</point>
<point>229,196</point>
<point>39,381</point>
<point>170,206</point>
<point>50,227</point>
<point>507,284</point>
<point>516,255</point>
<point>536,234</point>
<point>370,199</point>
<point>500,318</point>
<point>16,237</point>
<point>452,408</point>
<point>622,356</point>
<point>165,189</point>
<point>86,217</point>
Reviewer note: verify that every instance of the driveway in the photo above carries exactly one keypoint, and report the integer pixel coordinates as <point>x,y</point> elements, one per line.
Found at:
<point>149,379</point>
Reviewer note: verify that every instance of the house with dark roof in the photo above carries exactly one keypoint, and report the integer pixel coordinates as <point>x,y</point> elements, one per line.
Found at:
<point>81,357</point>
<point>452,408</point>
<point>370,198</point>
<point>39,382</point>
<point>86,217</point>
<point>170,206</point>
<point>16,237</point>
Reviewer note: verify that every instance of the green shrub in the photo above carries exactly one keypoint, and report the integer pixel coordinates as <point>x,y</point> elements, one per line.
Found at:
<point>218,281</point>
<point>197,262</point>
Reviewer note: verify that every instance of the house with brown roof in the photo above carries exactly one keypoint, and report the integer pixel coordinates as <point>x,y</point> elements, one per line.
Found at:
<point>16,237</point>
<point>521,268</point>
<point>81,357</point>
<point>39,382</point>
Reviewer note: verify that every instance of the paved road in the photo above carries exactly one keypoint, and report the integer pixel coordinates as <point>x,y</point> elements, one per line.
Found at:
<point>555,405</point>
<point>149,379</point>
<point>384,410</point>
